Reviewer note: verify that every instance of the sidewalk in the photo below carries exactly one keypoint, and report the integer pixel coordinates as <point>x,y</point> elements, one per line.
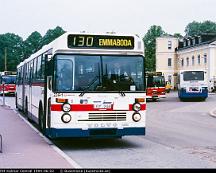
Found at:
<point>23,147</point>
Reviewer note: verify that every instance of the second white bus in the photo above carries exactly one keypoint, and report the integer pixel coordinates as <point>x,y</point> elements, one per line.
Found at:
<point>192,84</point>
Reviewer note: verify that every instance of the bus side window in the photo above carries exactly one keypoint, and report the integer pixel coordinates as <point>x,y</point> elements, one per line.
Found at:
<point>35,69</point>
<point>17,77</point>
<point>21,75</point>
<point>38,71</point>
<point>31,72</point>
<point>43,67</point>
<point>27,73</point>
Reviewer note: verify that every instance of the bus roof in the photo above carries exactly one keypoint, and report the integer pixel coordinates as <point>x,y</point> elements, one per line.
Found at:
<point>60,45</point>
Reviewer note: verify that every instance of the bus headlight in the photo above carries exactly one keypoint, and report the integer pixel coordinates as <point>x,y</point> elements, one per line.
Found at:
<point>66,107</point>
<point>66,118</point>
<point>136,117</point>
<point>136,107</point>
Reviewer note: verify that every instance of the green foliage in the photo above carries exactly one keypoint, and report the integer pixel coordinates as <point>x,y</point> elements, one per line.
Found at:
<point>150,46</point>
<point>198,28</point>
<point>177,35</point>
<point>32,44</point>
<point>12,45</point>
<point>51,35</point>
<point>17,50</point>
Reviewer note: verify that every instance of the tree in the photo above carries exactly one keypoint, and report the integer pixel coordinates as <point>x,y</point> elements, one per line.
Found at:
<point>150,46</point>
<point>12,45</point>
<point>17,49</point>
<point>177,35</point>
<point>198,28</point>
<point>32,44</point>
<point>51,35</point>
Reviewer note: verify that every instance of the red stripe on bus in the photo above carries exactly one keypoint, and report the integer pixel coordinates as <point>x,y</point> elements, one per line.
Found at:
<point>89,107</point>
<point>78,107</point>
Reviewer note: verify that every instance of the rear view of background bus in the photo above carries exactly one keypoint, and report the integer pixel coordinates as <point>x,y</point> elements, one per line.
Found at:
<point>192,84</point>
<point>8,83</point>
<point>155,89</point>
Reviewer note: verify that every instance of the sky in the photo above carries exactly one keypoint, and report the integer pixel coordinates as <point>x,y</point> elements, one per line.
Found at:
<point>23,17</point>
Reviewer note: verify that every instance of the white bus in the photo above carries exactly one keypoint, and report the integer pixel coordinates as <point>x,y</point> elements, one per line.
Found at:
<point>192,84</point>
<point>85,85</point>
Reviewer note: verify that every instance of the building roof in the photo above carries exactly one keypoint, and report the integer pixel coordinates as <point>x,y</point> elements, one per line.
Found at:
<point>195,41</point>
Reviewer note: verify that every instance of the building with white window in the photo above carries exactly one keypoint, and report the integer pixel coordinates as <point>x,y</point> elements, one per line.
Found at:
<point>198,52</point>
<point>166,57</point>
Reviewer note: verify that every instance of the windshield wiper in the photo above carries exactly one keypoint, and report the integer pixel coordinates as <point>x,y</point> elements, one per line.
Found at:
<point>87,88</point>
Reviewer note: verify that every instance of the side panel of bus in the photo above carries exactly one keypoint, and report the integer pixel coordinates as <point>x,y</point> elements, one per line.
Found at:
<point>34,90</point>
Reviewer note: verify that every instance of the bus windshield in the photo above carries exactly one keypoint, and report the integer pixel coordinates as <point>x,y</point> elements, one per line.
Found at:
<point>99,73</point>
<point>193,75</point>
<point>9,79</point>
<point>155,81</point>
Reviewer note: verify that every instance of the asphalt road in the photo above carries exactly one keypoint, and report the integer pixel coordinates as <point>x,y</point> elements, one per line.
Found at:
<point>178,135</point>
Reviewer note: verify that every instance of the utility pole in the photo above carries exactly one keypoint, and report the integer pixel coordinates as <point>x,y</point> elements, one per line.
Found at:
<point>5,59</point>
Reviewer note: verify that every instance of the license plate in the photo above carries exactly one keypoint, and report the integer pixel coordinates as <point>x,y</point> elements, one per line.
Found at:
<point>196,89</point>
<point>102,106</point>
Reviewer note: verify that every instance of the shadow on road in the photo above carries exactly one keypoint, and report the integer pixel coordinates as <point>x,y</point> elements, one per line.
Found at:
<point>82,143</point>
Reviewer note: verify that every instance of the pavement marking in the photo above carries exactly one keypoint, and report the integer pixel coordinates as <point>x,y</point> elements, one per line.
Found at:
<point>58,150</point>
<point>212,113</point>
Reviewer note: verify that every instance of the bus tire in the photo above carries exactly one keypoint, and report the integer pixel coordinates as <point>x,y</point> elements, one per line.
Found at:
<point>42,121</point>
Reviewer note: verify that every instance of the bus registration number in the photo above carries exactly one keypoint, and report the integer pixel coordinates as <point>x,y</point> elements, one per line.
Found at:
<point>194,89</point>
<point>102,106</point>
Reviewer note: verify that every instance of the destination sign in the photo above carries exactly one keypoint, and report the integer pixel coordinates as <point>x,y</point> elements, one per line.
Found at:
<point>100,42</point>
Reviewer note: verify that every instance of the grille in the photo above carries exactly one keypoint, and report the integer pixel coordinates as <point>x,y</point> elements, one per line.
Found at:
<point>116,116</point>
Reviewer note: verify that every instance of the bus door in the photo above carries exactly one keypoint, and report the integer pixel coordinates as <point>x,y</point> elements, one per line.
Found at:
<point>48,88</point>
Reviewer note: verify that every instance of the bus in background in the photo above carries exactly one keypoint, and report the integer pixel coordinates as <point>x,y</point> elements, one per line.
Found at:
<point>155,86</point>
<point>85,85</point>
<point>8,82</point>
<point>192,84</point>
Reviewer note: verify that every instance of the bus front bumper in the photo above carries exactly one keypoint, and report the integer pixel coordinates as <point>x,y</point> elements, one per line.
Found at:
<point>94,133</point>
<point>184,94</point>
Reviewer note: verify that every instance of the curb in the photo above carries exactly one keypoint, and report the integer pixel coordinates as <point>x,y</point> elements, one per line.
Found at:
<point>47,140</point>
